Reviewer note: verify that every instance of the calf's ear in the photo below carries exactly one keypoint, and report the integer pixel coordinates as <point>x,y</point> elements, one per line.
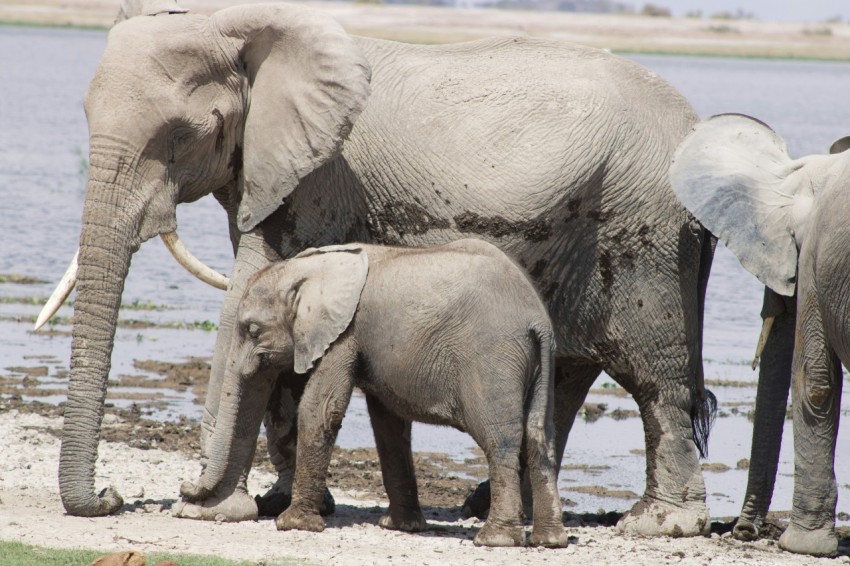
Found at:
<point>330,282</point>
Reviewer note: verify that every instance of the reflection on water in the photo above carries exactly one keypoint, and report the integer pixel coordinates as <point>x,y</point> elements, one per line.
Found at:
<point>43,152</point>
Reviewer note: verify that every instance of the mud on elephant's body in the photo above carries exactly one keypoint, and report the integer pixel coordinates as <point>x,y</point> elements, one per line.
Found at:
<point>554,152</point>
<point>787,222</point>
<point>452,335</point>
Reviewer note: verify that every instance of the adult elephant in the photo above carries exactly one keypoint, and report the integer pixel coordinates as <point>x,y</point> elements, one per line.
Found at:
<point>554,152</point>
<point>786,221</point>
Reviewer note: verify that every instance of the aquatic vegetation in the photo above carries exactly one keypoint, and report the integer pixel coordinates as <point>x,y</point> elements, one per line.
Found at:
<point>20,279</point>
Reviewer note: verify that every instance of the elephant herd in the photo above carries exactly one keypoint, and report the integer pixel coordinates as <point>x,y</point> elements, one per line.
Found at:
<point>587,170</point>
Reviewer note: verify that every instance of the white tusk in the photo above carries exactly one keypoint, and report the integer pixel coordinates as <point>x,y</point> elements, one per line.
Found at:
<point>192,264</point>
<point>63,289</point>
<point>765,331</point>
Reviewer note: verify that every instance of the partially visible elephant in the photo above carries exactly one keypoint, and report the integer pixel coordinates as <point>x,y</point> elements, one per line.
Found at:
<point>452,335</point>
<point>787,222</point>
<point>554,152</point>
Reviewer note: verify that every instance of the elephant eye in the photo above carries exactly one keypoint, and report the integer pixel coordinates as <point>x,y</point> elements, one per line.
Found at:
<point>254,330</point>
<point>265,361</point>
<point>180,142</point>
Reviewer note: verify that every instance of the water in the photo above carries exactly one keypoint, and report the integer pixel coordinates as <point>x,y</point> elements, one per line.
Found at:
<point>43,143</point>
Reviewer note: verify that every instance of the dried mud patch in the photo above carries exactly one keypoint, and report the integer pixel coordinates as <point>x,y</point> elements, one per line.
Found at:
<point>442,481</point>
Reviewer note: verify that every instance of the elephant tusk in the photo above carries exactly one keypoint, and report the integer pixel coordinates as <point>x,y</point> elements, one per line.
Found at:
<point>63,289</point>
<point>765,331</point>
<point>192,264</point>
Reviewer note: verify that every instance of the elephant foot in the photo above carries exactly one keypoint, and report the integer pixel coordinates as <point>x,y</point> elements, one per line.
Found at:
<point>499,535</point>
<point>238,506</point>
<point>550,537</point>
<point>297,519</point>
<point>817,542</point>
<point>477,503</point>
<point>746,530</point>
<point>652,517</point>
<point>275,501</point>
<point>403,519</point>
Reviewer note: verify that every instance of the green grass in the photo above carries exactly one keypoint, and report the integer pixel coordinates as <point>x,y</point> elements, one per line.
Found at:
<point>136,305</point>
<point>18,554</point>
<point>23,300</point>
<point>132,323</point>
<point>20,279</point>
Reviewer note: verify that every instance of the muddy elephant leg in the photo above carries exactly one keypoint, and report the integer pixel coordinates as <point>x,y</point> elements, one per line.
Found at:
<point>572,382</point>
<point>392,439</point>
<point>816,403</point>
<point>673,503</point>
<point>771,403</point>
<point>500,435</point>
<point>541,467</point>
<point>321,410</point>
<point>281,426</point>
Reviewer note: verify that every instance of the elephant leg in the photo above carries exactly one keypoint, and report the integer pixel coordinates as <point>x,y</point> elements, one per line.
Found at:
<point>320,415</point>
<point>771,403</point>
<point>673,503</point>
<point>572,383</point>
<point>281,426</point>
<point>502,442</point>
<point>392,439</point>
<point>541,467</point>
<point>816,402</point>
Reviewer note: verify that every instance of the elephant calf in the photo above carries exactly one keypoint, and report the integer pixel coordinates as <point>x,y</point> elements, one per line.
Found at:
<point>451,335</point>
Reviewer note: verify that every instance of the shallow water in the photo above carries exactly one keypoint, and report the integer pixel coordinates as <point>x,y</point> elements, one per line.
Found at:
<point>43,145</point>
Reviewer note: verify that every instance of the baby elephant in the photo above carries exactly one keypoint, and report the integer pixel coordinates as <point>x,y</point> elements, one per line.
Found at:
<point>451,335</point>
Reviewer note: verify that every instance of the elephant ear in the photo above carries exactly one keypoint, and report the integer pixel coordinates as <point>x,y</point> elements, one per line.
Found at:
<point>308,83</point>
<point>840,146</point>
<point>132,8</point>
<point>331,279</point>
<point>735,176</point>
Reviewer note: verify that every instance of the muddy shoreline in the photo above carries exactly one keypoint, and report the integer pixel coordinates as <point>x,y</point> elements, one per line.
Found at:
<point>146,460</point>
<point>133,423</point>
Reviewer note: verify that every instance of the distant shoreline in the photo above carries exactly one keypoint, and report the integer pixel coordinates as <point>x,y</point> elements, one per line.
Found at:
<point>625,34</point>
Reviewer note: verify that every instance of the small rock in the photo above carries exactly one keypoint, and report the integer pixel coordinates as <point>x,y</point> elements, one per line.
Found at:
<point>139,494</point>
<point>111,419</point>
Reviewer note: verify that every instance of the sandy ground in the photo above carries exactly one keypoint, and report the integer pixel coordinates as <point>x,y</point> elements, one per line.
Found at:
<point>31,512</point>
<point>825,40</point>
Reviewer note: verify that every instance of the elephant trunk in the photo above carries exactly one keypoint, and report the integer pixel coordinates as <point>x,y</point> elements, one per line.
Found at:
<point>252,255</point>
<point>108,239</point>
<point>234,438</point>
<point>771,402</point>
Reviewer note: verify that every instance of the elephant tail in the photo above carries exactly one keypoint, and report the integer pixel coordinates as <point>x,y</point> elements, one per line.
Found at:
<point>544,338</point>
<point>704,406</point>
<point>703,412</point>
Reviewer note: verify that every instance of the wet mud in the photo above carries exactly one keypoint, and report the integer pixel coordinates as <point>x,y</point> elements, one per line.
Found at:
<point>444,481</point>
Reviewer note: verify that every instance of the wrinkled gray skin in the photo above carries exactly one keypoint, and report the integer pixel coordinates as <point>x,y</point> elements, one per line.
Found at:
<point>451,335</point>
<point>555,153</point>
<point>786,221</point>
